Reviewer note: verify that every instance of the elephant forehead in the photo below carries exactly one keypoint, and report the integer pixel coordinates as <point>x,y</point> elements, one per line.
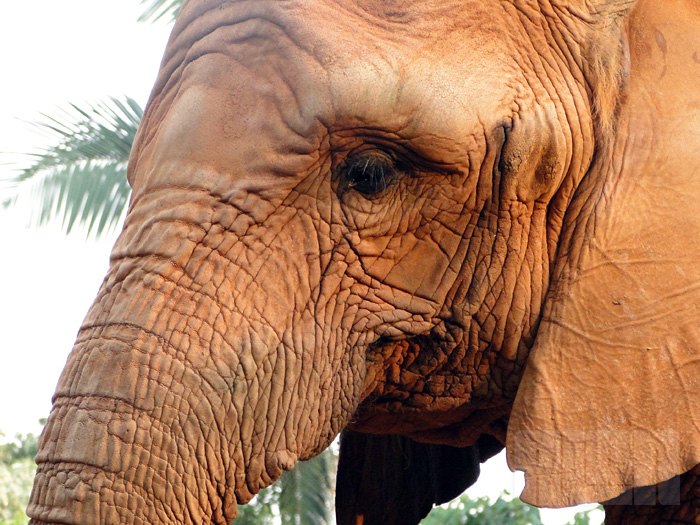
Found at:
<point>256,85</point>
<point>422,68</point>
<point>422,97</point>
<point>425,69</point>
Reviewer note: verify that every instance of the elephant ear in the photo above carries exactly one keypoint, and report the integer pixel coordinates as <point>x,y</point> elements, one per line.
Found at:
<point>393,479</point>
<point>610,398</point>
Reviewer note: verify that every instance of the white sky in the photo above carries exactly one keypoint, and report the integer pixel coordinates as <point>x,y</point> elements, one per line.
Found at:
<point>54,53</point>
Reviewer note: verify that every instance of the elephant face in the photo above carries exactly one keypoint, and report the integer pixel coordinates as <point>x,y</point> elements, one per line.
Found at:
<point>344,215</point>
<point>396,201</point>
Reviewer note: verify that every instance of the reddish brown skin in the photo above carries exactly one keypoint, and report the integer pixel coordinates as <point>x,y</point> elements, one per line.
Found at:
<point>261,300</point>
<point>631,419</point>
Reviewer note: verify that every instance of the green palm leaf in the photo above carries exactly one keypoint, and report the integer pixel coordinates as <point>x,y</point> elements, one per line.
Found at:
<point>161,8</point>
<point>82,178</point>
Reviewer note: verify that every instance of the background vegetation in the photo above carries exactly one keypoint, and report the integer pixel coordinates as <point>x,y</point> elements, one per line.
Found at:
<point>17,469</point>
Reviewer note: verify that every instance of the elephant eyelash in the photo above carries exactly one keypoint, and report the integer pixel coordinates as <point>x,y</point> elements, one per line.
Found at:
<point>369,175</point>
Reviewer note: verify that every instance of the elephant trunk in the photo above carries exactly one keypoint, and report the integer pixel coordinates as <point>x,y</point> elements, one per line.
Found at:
<point>186,391</point>
<point>127,436</point>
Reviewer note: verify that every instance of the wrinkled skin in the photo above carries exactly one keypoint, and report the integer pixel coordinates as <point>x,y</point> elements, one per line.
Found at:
<point>370,216</point>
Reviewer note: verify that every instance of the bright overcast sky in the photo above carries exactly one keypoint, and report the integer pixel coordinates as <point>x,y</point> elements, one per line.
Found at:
<point>54,53</point>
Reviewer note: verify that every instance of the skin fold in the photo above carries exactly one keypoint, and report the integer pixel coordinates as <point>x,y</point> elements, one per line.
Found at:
<point>416,223</point>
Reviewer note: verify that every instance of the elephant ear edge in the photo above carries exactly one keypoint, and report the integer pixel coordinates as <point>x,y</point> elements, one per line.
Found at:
<point>610,398</point>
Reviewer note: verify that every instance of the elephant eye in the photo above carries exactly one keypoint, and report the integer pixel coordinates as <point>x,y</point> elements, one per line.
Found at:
<point>369,175</point>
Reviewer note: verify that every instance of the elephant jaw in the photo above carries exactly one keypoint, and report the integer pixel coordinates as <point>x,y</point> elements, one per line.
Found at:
<point>404,395</point>
<point>418,388</point>
<point>458,427</point>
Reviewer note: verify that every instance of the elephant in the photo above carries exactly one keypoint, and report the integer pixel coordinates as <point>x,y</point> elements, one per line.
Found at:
<point>439,228</point>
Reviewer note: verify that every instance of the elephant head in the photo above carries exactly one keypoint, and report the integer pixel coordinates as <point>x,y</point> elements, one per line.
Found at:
<point>468,224</point>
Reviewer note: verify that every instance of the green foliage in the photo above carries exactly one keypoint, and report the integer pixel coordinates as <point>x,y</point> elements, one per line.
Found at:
<point>481,511</point>
<point>161,8</point>
<point>17,470</point>
<point>16,481</point>
<point>584,518</point>
<point>23,447</point>
<point>300,497</point>
<point>82,177</point>
<point>261,510</point>
<point>305,491</point>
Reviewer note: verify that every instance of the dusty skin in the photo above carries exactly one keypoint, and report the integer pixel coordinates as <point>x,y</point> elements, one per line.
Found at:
<point>438,227</point>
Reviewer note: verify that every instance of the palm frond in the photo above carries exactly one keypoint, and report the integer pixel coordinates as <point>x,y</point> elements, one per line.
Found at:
<point>161,8</point>
<point>81,179</point>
